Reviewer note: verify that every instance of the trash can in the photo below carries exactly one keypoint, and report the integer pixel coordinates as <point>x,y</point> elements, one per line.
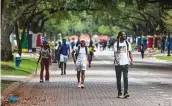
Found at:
<point>18,61</point>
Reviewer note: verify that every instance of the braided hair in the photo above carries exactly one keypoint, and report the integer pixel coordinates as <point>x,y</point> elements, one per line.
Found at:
<point>118,39</point>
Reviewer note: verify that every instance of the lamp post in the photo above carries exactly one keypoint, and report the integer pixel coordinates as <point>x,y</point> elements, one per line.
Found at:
<point>169,42</point>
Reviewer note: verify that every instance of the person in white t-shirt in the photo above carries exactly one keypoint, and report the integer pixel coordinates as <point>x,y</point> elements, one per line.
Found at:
<point>123,57</point>
<point>80,58</point>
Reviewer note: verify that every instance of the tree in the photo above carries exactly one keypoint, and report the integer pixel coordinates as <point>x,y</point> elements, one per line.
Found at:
<point>104,29</point>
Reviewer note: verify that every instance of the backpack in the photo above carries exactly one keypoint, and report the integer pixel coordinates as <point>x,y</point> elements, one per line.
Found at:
<point>77,53</point>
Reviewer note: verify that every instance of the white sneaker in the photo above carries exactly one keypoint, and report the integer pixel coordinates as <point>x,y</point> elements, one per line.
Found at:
<point>82,85</point>
<point>47,81</point>
<point>79,85</point>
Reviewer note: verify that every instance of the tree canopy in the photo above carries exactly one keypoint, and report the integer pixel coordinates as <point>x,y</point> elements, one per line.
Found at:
<point>69,17</point>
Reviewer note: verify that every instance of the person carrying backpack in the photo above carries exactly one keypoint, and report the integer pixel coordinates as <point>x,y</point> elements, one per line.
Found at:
<point>80,59</point>
<point>45,61</point>
<point>122,54</point>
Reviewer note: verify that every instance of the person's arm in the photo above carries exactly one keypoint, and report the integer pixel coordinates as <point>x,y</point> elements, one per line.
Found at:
<point>116,53</point>
<point>115,56</point>
<point>130,55</point>
<point>69,51</point>
<point>73,56</point>
<point>39,58</point>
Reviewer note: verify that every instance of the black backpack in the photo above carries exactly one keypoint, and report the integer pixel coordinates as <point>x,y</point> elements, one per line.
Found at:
<point>77,53</point>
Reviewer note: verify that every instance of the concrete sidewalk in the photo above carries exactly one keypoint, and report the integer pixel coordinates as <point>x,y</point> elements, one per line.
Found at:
<point>146,87</point>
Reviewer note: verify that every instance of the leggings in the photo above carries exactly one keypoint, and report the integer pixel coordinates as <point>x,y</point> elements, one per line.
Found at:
<point>44,63</point>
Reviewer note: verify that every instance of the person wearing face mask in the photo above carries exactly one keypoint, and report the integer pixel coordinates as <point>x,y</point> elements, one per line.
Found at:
<point>45,61</point>
<point>80,58</point>
<point>123,57</point>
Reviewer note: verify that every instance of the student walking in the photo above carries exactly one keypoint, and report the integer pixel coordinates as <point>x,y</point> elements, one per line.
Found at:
<point>80,57</point>
<point>91,52</point>
<point>45,61</point>
<point>64,54</point>
<point>142,51</point>
<point>122,54</point>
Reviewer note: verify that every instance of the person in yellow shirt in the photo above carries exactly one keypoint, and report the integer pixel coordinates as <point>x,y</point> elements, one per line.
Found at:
<point>91,52</point>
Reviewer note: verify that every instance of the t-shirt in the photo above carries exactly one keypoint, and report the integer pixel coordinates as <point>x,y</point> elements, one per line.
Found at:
<point>45,53</point>
<point>91,49</point>
<point>82,56</point>
<point>64,49</point>
<point>122,55</point>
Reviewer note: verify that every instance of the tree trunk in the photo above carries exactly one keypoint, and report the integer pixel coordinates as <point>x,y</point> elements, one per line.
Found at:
<point>17,37</point>
<point>6,50</point>
<point>7,28</point>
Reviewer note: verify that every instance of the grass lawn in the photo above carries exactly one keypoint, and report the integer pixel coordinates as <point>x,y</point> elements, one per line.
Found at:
<point>5,84</point>
<point>27,66</point>
<point>167,58</point>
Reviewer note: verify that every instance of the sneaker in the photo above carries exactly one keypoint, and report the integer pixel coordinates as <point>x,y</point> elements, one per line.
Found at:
<point>119,96</point>
<point>47,81</point>
<point>41,81</point>
<point>126,95</point>
<point>61,73</point>
<point>79,85</point>
<point>82,85</point>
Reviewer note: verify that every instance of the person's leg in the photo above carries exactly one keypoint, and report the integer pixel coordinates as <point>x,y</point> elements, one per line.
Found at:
<point>142,54</point>
<point>42,71</point>
<point>47,70</point>
<point>61,63</point>
<point>90,59</point>
<point>125,76</point>
<point>82,78</point>
<point>65,68</point>
<point>83,69</point>
<point>65,63</point>
<point>78,76</point>
<point>118,79</point>
<point>61,66</point>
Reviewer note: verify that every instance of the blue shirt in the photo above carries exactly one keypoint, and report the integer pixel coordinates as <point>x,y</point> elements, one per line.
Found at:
<point>65,49</point>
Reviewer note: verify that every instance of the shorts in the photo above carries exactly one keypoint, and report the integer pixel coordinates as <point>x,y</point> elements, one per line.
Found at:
<point>63,58</point>
<point>81,66</point>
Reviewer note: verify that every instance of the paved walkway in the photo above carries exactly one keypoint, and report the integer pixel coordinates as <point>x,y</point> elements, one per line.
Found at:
<point>148,86</point>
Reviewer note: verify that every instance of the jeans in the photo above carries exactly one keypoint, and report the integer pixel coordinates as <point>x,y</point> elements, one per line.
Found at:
<point>119,70</point>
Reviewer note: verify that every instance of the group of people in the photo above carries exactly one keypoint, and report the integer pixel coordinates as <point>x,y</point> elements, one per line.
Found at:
<point>106,43</point>
<point>63,51</point>
<point>82,54</point>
